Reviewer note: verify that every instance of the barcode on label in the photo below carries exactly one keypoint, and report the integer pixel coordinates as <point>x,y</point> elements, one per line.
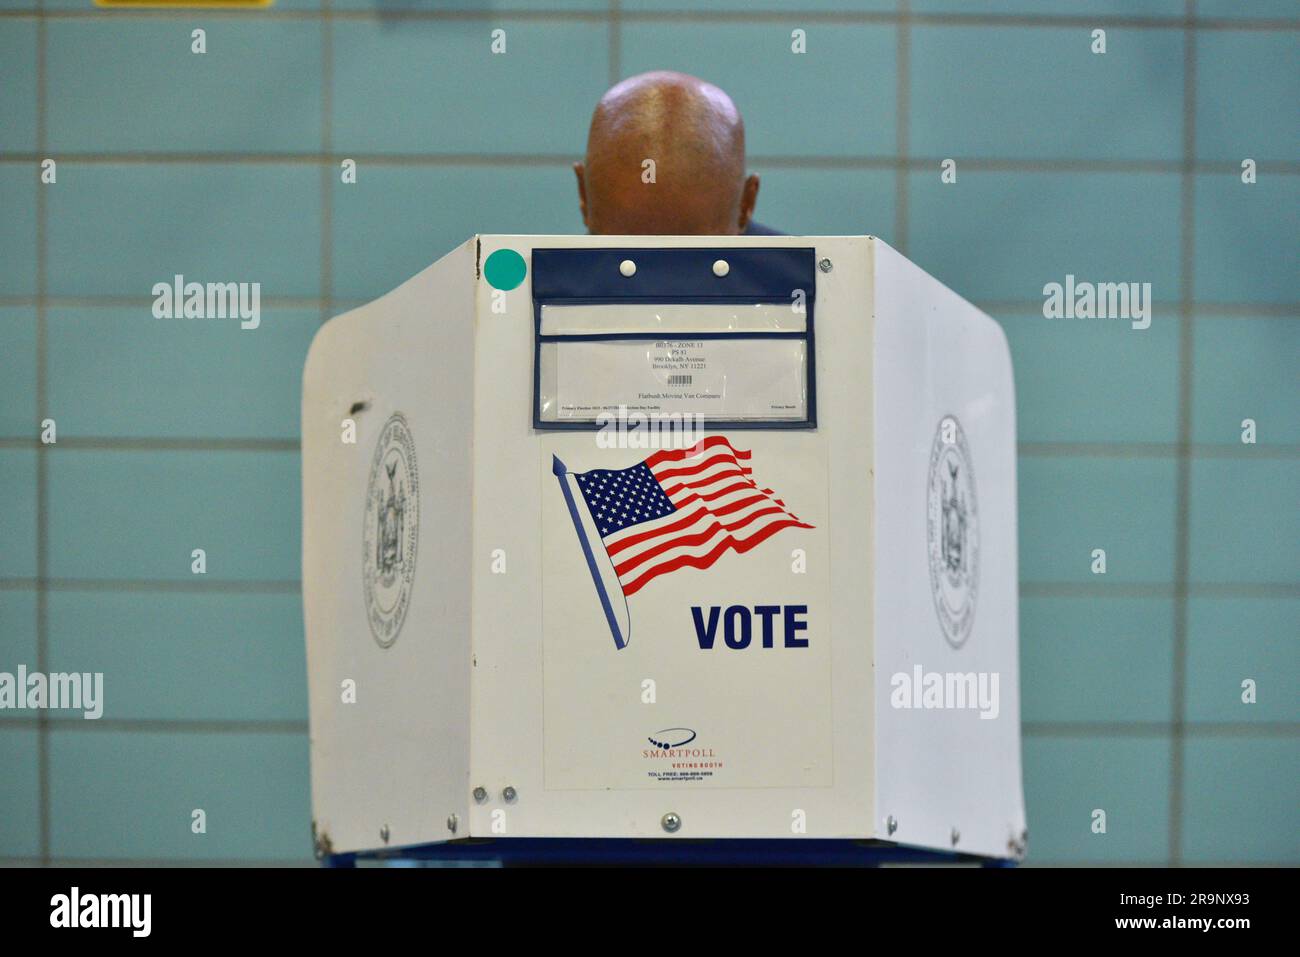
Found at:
<point>679,380</point>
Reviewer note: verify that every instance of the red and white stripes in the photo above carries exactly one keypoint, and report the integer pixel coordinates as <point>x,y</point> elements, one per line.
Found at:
<point>720,508</point>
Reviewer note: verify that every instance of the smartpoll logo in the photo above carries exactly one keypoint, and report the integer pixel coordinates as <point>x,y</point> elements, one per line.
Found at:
<point>214,300</point>
<point>946,691</point>
<point>668,738</point>
<point>77,691</point>
<point>1102,300</point>
<point>132,911</point>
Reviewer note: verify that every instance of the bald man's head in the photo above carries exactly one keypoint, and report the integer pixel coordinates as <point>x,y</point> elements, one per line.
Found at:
<point>666,155</point>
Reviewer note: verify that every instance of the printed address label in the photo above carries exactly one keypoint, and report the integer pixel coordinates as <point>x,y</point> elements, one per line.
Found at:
<point>718,378</point>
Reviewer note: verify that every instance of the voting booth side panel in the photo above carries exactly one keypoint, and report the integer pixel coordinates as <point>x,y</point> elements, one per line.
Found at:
<point>947,661</point>
<point>386,430</point>
<point>846,396</point>
<point>617,721</point>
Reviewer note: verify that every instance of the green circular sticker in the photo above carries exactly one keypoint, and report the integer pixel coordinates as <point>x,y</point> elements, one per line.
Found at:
<point>505,269</point>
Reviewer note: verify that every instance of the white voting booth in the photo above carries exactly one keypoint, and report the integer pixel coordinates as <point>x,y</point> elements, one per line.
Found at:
<point>663,537</point>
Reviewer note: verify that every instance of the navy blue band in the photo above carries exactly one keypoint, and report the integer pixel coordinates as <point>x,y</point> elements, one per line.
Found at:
<point>769,274</point>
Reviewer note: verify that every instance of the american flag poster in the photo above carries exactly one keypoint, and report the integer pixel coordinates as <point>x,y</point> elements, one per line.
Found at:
<point>675,512</point>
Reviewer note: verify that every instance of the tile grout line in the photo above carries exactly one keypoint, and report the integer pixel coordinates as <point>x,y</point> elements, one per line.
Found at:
<point>614,29</point>
<point>1025,449</point>
<point>845,163</point>
<point>327,168</point>
<point>42,481</point>
<point>252,586</point>
<point>720,17</point>
<point>1091,728</point>
<point>1186,344</point>
<point>903,107</point>
<point>1069,727</point>
<point>1163,590</point>
<point>77,725</point>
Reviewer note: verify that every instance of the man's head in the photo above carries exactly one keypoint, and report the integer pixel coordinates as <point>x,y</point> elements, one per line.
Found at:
<point>695,137</point>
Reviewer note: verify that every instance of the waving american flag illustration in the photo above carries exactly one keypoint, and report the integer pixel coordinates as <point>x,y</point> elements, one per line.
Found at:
<point>677,509</point>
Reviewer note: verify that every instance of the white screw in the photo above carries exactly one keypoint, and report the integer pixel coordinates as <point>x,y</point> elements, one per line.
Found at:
<point>627,267</point>
<point>721,268</point>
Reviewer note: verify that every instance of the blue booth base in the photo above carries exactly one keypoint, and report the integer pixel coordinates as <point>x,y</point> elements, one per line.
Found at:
<point>605,852</point>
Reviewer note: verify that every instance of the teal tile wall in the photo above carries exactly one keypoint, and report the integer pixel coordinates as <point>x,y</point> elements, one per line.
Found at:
<point>831,201</point>
<point>470,99</point>
<point>20,825</point>
<point>1241,800</point>
<point>1245,238</point>
<point>18,93</point>
<point>115,229</point>
<point>252,788</point>
<point>175,434</point>
<point>1053,8</point>
<point>113,391</point>
<point>1244,526</point>
<point>17,636</point>
<point>1071,505</point>
<point>18,199</point>
<point>18,370</point>
<point>1001,235</point>
<point>1098,380</point>
<point>18,475</point>
<point>152,94</point>
<point>1069,779</point>
<point>128,514</point>
<point>791,7</point>
<point>1125,105</point>
<point>1245,368</point>
<point>1224,131</point>
<point>229,657</point>
<point>1231,641</point>
<point>1104,660</point>
<point>1255,10</point>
